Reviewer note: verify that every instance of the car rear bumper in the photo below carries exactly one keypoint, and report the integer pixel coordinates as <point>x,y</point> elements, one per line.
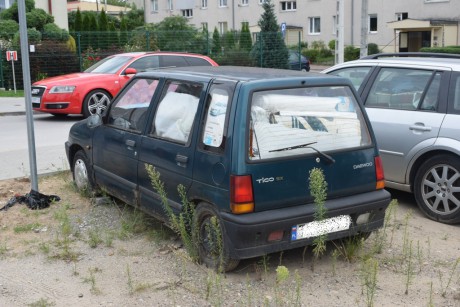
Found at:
<point>248,234</point>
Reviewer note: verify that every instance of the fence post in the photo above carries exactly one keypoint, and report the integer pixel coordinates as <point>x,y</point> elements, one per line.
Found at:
<point>260,48</point>
<point>80,60</point>
<point>147,36</point>
<point>1,69</point>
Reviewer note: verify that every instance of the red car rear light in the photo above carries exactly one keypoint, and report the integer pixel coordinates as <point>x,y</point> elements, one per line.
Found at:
<point>241,194</point>
<point>380,178</point>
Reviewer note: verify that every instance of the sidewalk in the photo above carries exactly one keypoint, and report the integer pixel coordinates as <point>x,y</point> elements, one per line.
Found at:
<point>12,106</point>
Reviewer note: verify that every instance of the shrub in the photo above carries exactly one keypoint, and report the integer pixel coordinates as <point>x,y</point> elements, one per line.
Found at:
<point>351,53</point>
<point>372,48</point>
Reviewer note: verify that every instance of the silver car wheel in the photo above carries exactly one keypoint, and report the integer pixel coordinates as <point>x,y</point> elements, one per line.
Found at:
<point>98,103</point>
<point>441,189</point>
<point>81,174</point>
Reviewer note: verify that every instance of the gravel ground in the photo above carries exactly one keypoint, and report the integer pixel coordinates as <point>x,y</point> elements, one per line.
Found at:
<point>81,252</point>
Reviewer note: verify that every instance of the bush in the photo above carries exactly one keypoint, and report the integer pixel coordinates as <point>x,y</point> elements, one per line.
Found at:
<point>450,49</point>
<point>331,44</point>
<point>372,48</point>
<point>33,35</point>
<point>312,54</point>
<point>52,32</point>
<point>351,53</point>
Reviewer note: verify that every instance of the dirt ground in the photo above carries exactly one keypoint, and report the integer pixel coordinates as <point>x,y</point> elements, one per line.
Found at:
<point>82,252</point>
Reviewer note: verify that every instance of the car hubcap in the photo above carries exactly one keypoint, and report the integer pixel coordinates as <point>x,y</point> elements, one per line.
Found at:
<point>441,189</point>
<point>81,174</point>
<point>98,103</point>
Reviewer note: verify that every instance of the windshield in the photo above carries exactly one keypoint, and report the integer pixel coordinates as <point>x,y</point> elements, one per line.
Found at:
<point>109,65</point>
<point>305,120</point>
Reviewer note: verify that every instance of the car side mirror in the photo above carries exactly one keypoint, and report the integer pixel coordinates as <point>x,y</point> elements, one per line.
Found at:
<point>130,71</point>
<point>94,121</point>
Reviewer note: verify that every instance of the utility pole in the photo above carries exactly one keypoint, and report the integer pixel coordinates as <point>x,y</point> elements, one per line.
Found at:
<point>340,19</point>
<point>364,29</point>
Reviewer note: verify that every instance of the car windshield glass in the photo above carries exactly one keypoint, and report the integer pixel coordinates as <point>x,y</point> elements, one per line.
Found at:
<point>304,121</point>
<point>109,65</point>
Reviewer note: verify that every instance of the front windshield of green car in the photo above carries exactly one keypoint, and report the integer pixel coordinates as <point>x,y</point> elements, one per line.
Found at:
<point>109,65</point>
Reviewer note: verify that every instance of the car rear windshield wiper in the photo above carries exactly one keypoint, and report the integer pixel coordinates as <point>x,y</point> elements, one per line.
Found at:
<point>327,157</point>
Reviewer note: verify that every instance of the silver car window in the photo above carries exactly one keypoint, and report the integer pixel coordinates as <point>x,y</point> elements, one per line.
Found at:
<point>355,74</point>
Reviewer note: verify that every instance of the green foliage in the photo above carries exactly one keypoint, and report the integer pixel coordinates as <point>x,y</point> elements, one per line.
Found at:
<point>351,53</point>
<point>78,21</point>
<point>143,39</point>
<point>318,190</point>
<point>229,40</point>
<point>8,28</point>
<point>38,18</point>
<point>372,48</point>
<point>216,44</point>
<point>52,32</point>
<point>450,49</point>
<point>245,38</point>
<point>123,32</point>
<point>12,11</point>
<point>331,44</point>
<point>103,27</point>
<point>134,19</point>
<point>33,35</point>
<point>270,49</point>
<point>176,34</point>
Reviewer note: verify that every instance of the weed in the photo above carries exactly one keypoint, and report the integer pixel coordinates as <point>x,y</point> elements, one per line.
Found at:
<point>406,235</point>
<point>132,222</point>
<point>92,280</point>
<point>214,288</point>
<point>349,248</point>
<point>3,248</point>
<point>318,189</point>
<point>26,228</point>
<point>369,271</point>
<point>94,238</point>
<point>451,275</point>
<point>409,269</point>
<point>130,280</point>
<point>43,302</point>
<point>264,263</point>
<point>44,248</point>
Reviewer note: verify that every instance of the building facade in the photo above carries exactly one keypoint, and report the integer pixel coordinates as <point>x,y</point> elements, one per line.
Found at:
<point>394,25</point>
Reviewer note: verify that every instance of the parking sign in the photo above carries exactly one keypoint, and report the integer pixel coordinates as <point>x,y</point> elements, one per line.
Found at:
<point>11,55</point>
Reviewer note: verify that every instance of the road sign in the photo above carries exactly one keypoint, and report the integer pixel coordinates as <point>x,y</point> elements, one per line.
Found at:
<point>283,29</point>
<point>11,55</point>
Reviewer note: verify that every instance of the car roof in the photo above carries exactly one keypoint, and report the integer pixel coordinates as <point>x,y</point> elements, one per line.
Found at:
<point>453,63</point>
<point>141,53</point>
<point>242,73</point>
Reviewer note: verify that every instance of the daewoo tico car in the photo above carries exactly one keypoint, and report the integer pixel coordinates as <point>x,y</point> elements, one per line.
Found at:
<point>242,142</point>
<point>413,102</point>
<point>91,91</point>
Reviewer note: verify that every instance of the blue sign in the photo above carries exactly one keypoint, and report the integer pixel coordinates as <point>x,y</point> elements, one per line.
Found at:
<point>283,29</point>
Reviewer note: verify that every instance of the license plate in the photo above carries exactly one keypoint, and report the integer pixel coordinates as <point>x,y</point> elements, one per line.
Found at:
<point>35,99</point>
<point>317,228</point>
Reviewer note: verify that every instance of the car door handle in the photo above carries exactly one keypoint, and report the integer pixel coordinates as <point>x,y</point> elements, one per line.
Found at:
<point>181,160</point>
<point>130,143</point>
<point>419,127</point>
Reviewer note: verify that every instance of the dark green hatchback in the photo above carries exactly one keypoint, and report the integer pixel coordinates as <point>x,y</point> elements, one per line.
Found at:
<point>242,142</point>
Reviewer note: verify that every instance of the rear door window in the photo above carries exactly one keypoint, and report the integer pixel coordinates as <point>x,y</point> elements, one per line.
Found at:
<point>355,74</point>
<point>300,121</point>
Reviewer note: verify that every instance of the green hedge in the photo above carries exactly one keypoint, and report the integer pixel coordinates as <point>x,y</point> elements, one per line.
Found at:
<point>449,49</point>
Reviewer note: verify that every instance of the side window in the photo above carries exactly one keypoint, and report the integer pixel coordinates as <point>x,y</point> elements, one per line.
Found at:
<point>129,111</point>
<point>355,74</point>
<point>176,111</point>
<point>454,95</point>
<point>146,63</point>
<point>403,89</point>
<point>172,61</point>
<point>192,61</point>
<point>430,100</point>
<point>215,120</point>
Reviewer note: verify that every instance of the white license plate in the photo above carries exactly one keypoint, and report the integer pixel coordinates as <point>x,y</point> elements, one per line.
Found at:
<point>35,99</point>
<point>317,228</point>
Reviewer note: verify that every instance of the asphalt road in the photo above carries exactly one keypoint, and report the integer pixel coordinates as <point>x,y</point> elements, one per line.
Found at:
<point>50,135</point>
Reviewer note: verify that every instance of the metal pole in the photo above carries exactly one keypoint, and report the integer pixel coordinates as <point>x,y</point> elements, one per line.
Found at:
<point>27,92</point>
<point>364,28</point>
<point>14,77</point>
<point>1,69</point>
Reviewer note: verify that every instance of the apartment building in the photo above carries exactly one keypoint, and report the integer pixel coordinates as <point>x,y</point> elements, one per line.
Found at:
<point>394,25</point>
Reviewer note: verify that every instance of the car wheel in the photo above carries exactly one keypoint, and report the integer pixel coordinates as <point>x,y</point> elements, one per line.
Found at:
<point>96,102</point>
<point>82,173</point>
<point>437,188</point>
<point>210,241</point>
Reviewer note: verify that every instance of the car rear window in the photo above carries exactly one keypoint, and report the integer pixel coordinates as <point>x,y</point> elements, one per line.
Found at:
<point>300,121</point>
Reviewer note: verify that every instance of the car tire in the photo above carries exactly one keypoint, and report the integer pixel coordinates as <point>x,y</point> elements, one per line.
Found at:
<point>212,250</point>
<point>96,102</point>
<point>82,173</point>
<point>437,188</point>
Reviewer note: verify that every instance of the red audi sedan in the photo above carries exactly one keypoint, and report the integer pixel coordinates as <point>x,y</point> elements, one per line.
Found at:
<point>91,91</point>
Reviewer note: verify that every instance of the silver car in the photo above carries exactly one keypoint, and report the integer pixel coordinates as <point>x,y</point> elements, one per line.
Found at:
<point>414,106</point>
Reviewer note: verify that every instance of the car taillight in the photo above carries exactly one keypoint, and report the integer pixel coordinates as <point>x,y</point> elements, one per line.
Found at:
<point>379,173</point>
<point>241,195</point>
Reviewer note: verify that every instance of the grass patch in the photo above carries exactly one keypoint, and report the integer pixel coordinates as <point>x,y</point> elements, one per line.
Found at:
<point>19,93</point>
<point>26,228</point>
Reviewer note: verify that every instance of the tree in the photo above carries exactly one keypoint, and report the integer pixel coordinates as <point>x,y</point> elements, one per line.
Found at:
<point>175,34</point>
<point>270,49</point>
<point>216,45</point>
<point>103,29</point>
<point>245,38</point>
<point>8,28</point>
<point>123,31</point>
<point>78,21</point>
<point>12,11</point>
<point>38,18</point>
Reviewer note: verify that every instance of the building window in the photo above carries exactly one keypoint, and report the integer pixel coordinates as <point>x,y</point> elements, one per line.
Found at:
<point>334,25</point>
<point>262,1</point>
<point>288,5</point>
<point>244,2</point>
<point>154,5</point>
<point>222,27</point>
<point>204,26</point>
<point>204,4</point>
<point>401,16</point>
<point>373,23</point>
<point>170,5</point>
<point>187,13</point>
<point>222,3</point>
<point>315,25</point>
